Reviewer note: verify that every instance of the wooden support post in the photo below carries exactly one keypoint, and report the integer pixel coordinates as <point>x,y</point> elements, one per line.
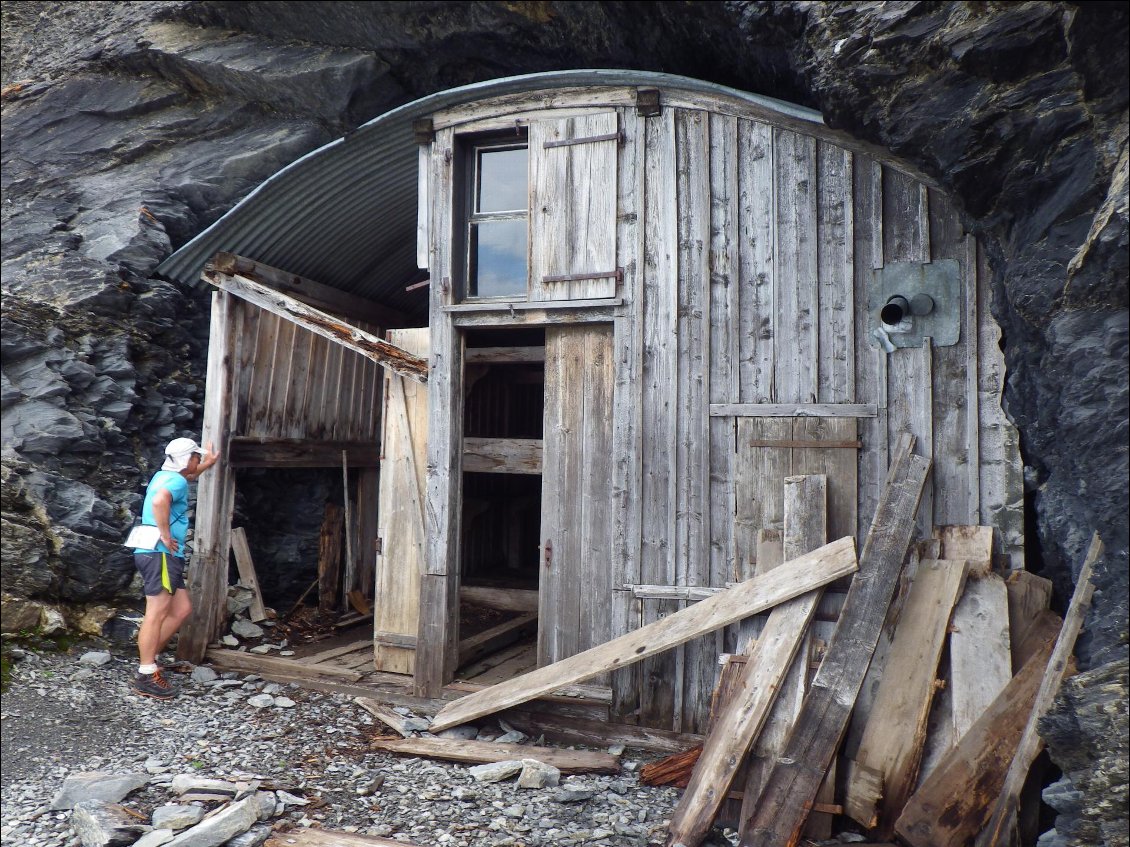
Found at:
<point>437,650</point>
<point>247,574</point>
<point>349,571</point>
<point>796,776</point>
<point>792,579</point>
<point>216,494</point>
<point>329,558</point>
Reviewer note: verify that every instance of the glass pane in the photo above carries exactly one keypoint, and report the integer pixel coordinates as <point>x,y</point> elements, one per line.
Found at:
<point>498,258</point>
<point>502,181</point>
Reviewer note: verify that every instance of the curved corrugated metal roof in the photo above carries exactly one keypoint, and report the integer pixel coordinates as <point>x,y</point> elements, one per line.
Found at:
<point>345,214</point>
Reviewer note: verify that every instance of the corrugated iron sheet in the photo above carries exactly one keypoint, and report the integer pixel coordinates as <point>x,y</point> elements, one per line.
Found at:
<point>345,214</point>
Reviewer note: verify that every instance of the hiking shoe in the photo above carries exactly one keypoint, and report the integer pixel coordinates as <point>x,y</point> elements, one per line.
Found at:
<point>153,685</point>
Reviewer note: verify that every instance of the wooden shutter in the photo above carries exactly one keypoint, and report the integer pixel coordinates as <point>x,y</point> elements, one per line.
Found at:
<point>573,207</point>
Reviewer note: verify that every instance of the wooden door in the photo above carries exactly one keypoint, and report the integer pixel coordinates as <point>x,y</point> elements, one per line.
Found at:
<point>575,590</point>
<point>400,521</point>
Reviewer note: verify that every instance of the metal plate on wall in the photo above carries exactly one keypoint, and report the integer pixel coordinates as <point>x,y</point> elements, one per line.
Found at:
<point>939,280</point>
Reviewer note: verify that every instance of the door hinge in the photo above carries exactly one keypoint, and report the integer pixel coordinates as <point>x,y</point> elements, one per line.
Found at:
<point>380,545</point>
<point>548,553</point>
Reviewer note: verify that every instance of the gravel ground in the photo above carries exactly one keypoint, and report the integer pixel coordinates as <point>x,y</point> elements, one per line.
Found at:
<point>61,717</point>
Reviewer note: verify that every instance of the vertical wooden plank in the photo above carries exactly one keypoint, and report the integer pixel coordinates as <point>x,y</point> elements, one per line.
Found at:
<point>438,633</point>
<point>763,469</point>
<point>343,414</point>
<point>312,400</point>
<point>870,359</point>
<point>1002,476</point>
<point>906,230</point>
<point>692,453</point>
<point>797,356</point>
<point>757,278</point>
<point>723,349</point>
<point>208,576</point>
<point>552,496</point>
<point>627,403</point>
<point>294,411</point>
<point>280,379</point>
<point>594,543</point>
<point>805,528</point>
<point>248,345</point>
<point>757,316</point>
<point>838,464</point>
<point>660,399</point>
<point>955,468</point>
<point>835,242</point>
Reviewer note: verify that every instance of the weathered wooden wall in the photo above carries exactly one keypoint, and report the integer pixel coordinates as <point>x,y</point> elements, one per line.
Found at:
<point>295,384</point>
<point>741,354</point>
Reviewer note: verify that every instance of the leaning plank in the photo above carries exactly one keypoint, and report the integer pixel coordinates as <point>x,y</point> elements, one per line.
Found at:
<point>1003,820</point>
<point>895,733</point>
<point>792,579</point>
<point>387,716</point>
<point>1028,596</point>
<point>364,343</point>
<point>729,741</point>
<point>333,838</point>
<point>458,750</point>
<point>247,572</point>
<point>229,660</point>
<point>953,804</point>
<point>980,654</point>
<point>796,776</point>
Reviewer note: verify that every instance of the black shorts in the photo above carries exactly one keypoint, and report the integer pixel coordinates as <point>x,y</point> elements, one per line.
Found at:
<point>160,572</point>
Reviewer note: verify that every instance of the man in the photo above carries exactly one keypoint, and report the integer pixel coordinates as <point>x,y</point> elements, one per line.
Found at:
<point>167,602</point>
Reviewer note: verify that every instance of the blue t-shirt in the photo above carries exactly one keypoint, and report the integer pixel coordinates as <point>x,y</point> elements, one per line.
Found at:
<point>177,486</point>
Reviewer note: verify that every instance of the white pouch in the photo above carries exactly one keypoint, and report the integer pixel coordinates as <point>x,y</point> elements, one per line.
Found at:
<point>143,537</point>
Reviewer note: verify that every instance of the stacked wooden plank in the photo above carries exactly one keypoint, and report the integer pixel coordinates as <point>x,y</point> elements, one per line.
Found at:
<point>916,620</point>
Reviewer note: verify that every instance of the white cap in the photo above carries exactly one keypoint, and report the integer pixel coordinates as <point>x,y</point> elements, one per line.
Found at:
<point>177,453</point>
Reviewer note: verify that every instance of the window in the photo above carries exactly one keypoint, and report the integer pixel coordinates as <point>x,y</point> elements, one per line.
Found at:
<point>497,220</point>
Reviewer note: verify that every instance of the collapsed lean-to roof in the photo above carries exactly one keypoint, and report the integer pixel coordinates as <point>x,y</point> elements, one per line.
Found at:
<point>345,214</point>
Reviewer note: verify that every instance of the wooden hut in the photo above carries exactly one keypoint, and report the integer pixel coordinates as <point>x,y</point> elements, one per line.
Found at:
<point>649,302</point>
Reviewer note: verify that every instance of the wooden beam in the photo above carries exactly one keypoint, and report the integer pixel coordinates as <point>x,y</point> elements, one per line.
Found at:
<point>818,568</point>
<point>329,558</point>
<point>250,452</point>
<point>334,838</point>
<point>536,314</point>
<point>768,662</point>
<point>895,733</point>
<point>953,804</point>
<point>247,576</point>
<point>389,717</point>
<point>1003,821</point>
<point>208,577</point>
<point>477,752</point>
<point>505,355</point>
<point>497,637</point>
<point>796,776</point>
<point>505,599</point>
<point>793,410</point>
<point>310,292</point>
<point>320,323</point>
<point>502,455</point>
<point>230,660</point>
<point>333,653</point>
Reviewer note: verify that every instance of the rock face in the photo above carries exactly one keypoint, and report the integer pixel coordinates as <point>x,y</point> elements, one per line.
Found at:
<point>130,127</point>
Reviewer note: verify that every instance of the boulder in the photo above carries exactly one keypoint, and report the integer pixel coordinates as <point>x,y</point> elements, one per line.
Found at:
<point>99,786</point>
